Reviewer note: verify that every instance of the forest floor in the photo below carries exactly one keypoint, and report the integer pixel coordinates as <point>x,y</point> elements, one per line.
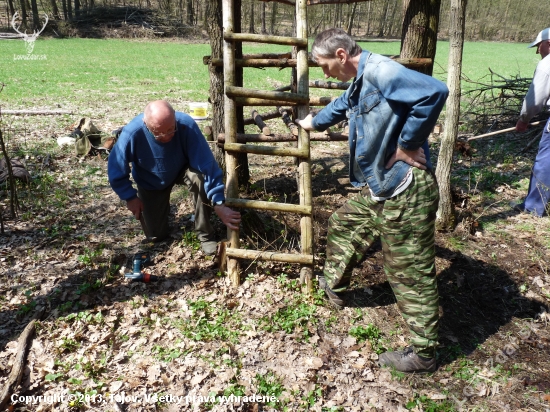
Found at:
<point>108,344</point>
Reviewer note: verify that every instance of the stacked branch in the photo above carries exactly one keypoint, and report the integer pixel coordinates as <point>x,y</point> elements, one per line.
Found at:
<point>495,104</point>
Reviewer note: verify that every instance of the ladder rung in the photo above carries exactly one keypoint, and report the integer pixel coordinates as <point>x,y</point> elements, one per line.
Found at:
<point>250,101</point>
<point>234,91</point>
<point>259,38</point>
<point>267,150</point>
<point>269,256</point>
<point>276,206</point>
<point>288,137</point>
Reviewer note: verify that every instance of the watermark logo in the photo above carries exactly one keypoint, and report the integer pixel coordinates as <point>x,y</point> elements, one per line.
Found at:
<point>29,40</point>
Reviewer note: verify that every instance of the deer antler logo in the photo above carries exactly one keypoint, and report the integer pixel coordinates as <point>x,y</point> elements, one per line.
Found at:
<point>28,38</point>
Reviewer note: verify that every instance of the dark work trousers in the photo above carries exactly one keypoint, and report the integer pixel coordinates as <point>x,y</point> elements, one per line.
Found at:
<point>156,207</point>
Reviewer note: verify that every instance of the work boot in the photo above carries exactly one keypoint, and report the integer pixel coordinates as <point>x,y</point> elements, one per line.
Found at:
<point>518,205</point>
<point>333,298</point>
<point>209,247</point>
<point>407,361</point>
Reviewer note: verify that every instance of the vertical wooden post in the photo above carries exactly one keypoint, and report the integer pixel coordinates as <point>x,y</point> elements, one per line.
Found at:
<point>232,183</point>
<point>304,167</point>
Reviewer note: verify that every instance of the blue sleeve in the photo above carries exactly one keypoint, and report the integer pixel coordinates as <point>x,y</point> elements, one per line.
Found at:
<point>118,168</point>
<point>201,159</point>
<point>417,96</point>
<point>333,113</point>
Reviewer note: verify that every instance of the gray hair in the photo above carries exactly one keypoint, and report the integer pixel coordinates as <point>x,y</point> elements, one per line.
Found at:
<point>327,42</point>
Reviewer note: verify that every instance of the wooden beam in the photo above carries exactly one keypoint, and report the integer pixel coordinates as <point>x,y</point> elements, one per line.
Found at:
<point>250,101</point>
<point>267,150</point>
<point>289,98</point>
<point>282,63</point>
<point>270,256</point>
<point>260,38</point>
<point>275,206</point>
<point>275,138</point>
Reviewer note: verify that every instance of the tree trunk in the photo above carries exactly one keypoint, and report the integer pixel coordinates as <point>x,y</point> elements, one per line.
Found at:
<point>351,18</point>
<point>251,27</point>
<point>64,7</point>
<point>77,8</point>
<point>55,10</point>
<point>367,30</point>
<point>11,9</point>
<point>273,17</point>
<point>389,32</point>
<point>69,9</point>
<point>214,28</point>
<point>383,16</point>
<point>264,29</point>
<point>23,14</point>
<point>35,16</point>
<point>446,219</point>
<point>190,13</point>
<point>419,33</point>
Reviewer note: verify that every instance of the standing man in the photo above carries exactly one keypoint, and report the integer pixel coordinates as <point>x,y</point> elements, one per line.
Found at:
<point>537,97</point>
<point>391,112</point>
<point>165,147</point>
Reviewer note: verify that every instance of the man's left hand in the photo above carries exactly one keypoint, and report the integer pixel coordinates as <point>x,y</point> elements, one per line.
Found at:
<point>228,216</point>
<point>416,158</point>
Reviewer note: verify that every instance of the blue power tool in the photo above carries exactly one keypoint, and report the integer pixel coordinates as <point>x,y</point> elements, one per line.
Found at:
<point>140,260</point>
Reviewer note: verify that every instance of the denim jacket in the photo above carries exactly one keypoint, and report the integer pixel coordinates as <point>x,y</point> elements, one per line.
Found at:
<point>387,106</point>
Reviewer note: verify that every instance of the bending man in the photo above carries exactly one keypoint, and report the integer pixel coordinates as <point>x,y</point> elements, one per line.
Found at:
<point>165,147</point>
<point>391,112</point>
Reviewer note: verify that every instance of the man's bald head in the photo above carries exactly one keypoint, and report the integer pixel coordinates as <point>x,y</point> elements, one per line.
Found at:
<point>160,118</point>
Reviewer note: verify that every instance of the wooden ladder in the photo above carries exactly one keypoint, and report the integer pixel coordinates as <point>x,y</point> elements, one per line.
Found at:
<point>235,96</point>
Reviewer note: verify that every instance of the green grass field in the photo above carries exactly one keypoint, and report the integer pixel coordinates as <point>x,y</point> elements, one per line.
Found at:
<point>121,71</point>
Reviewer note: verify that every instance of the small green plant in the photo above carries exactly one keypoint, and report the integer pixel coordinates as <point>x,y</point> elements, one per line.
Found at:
<point>165,354</point>
<point>297,315</point>
<point>89,256</point>
<point>190,239</point>
<point>28,306</point>
<point>312,396</point>
<point>91,368</point>
<point>65,306</point>
<point>368,333</point>
<point>68,345</point>
<point>423,403</point>
<point>210,322</point>
<point>269,385</point>
<point>87,287</point>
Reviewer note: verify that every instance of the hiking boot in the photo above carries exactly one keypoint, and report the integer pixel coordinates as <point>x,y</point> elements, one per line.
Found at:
<point>407,361</point>
<point>209,247</point>
<point>517,205</point>
<point>333,298</point>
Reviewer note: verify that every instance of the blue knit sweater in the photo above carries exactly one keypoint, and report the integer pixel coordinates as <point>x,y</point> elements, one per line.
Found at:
<point>155,165</point>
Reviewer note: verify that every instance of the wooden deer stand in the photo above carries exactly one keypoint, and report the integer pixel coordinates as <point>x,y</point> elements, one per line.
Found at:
<point>295,95</point>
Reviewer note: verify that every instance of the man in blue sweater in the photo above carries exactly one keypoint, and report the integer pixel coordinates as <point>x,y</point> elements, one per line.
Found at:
<point>391,112</point>
<point>164,148</point>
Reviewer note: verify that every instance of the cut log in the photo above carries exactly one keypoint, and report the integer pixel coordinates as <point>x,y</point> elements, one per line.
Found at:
<point>288,121</point>
<point>265,116</point>
<point>260,123</point>
<point>20,359</point>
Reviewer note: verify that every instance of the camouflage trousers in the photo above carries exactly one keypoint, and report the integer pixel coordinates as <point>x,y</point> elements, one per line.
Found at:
<point>405,225</point>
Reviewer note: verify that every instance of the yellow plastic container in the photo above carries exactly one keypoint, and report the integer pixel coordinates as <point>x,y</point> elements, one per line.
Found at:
<point>198,111</point>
